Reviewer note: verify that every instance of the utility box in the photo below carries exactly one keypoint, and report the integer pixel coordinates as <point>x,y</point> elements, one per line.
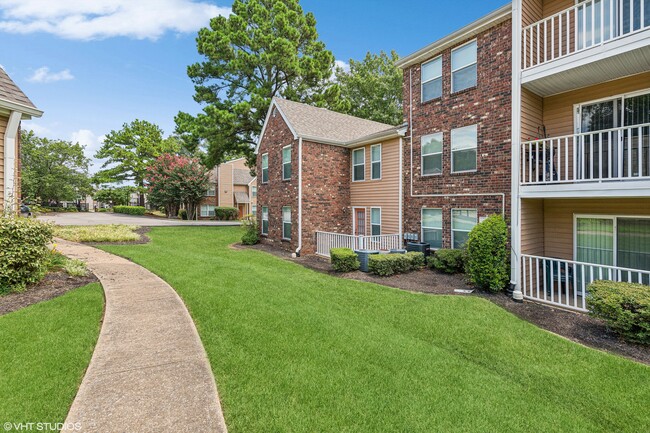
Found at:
<point>364,256</point>
<point>420,247</point>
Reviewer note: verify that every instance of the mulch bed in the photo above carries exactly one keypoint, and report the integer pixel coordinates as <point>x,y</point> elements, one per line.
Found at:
<point>577,327</point>
<point>54,284</point>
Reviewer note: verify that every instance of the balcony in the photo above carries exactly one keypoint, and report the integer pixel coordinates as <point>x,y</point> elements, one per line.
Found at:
<point>591,42</point>
<point>609,162</point>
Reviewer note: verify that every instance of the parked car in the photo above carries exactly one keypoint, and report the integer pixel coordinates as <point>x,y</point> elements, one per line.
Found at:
<point>25,211</point>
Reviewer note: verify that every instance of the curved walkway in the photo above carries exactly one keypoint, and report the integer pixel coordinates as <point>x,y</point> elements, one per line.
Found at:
<point>149,371</point>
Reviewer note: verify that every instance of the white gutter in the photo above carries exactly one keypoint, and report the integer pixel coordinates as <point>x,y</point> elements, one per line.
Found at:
<point>299,197</point>
<point>401,187</point>
<point>515,217</point>
<point>11,147</point>
<point>25,111</point>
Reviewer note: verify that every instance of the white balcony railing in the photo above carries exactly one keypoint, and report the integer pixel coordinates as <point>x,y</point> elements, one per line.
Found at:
<point>325,241</point>
<point>564,283</point>
<point>611,154</point>
<point>585,25</point>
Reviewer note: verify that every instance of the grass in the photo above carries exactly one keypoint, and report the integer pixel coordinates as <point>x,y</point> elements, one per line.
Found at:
<point>44,351</point>
<point>102,233</point>
<point>298,351</point>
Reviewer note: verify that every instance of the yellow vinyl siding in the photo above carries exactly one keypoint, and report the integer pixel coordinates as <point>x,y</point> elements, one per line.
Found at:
<point>551,7</point>
<point>532,227</point>
<point>382,193</point>
<point>531,114</point>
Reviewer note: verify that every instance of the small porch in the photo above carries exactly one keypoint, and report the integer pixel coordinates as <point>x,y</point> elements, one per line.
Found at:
<point>325,241</point>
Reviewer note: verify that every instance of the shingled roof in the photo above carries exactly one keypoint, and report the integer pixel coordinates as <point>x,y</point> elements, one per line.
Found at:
<point>241,177</point>
<point>10,92</point>
<point>319,123</point>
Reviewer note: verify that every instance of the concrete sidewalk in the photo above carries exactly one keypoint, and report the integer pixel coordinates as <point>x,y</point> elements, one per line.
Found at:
<point>149,371</point>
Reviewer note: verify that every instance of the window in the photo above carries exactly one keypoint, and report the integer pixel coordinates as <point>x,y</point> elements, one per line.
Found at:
<point>431,77</point>
<point>207,210</point>
<point>375,162</point>
<point>254,210</point>
<point>211,191</point>
<point>462,222</point>
<point>254,191</point>
<point>463,149</point>
<point>358,164</point>
<point>375,221</point>
<point>431,154</point>
<point>265,220</point>
<point>432,227</point>
<point>286,162</point>
<point>265,168</point>
<point>463,67</point>
<point>286,222</point>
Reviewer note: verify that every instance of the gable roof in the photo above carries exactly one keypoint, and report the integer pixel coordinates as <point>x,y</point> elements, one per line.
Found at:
<point>325,126</point>
<point>12,98</point>
<point>241,177</point>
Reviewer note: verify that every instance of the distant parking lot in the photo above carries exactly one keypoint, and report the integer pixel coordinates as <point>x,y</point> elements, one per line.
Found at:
<point>103,218</point>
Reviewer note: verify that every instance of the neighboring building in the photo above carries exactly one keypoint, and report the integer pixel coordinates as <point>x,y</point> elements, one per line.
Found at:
<point>231,185</point>
<point>581,147</point>
<point>14,107</point>
<point>457,158</point>
<point>322,171</point>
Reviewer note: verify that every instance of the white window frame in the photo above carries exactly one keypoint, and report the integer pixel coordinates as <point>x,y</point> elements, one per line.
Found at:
<point>430,79</point>
<point>254,191</point>
<point>265,217</point>
<point>422,227</point>
<point>422,155</point>
<point>375,162</point>
<point>209,213</point>
<point>451,137</point>
<point>254,209</point>
<point>460,230</point>
<point>463,67</point>
<point>211,191</point>
<point>285,163</point>
<point>286,222</point>
<point>362,149</point>
<point>265,156</point>
<point>373,224</point>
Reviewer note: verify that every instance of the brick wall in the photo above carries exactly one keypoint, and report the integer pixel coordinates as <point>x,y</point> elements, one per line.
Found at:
<point>486,105</point>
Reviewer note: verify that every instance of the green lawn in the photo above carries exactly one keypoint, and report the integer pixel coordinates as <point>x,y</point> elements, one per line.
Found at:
<point>298,351</point>
<point>44,352</point>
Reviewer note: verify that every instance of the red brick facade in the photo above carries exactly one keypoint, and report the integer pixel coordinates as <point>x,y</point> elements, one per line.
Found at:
<point>487,105</point>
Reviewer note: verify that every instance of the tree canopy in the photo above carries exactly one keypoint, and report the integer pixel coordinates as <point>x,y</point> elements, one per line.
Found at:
<point>52,170</point>
<point>117,196</point>
<point>265,48</point>
<point>372,88</point>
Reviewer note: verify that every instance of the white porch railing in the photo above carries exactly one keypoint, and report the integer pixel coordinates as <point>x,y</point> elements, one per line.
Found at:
<point>611,154</point>
<point>582,26</point>
<point>564,282</point>
<point>325,241</point>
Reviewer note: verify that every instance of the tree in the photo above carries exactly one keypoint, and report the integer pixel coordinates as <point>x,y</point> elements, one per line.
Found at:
<point>129,151</point>
<point>265,48</point>
<point>372,88</point>
<point>117,196</point>
<point>52,170</point>
<point>174,180</point>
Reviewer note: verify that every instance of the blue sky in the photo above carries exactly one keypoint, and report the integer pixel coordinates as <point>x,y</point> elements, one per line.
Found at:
<point>93,65</point>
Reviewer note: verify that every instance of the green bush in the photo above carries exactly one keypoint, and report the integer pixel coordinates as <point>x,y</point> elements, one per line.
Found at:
<point>251,235</point>
<point>103,209</point>
<point>344,260</point>
<point>416,260</point>
<point>385,265</point>
<point>182,214</point>
<point>24,253</point>
<point>225,213</point>
<point>129,210</point>
<point>487,254</point>
<point>448,260</point>
<point>624,306</point>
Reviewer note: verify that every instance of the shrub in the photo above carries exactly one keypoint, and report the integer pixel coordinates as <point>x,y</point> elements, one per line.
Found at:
<point>447,260</point>
<point>344,260</point>
<point>225,213</point>
<point>251,235</point>
<point>624,306</point>
<point>487,254</point>
<point>129,210</point>
<point>23,252</point>
<point>385,265</point>
<point>182,214</point>
<point>75,268</point>
<point>416,260</point>
<point>103,209</point>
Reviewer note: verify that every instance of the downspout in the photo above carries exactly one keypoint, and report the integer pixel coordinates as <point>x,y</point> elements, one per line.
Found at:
<point>10,143</point>
<point>401,186</point>
<point>297,253</point>
<point>515,218</point>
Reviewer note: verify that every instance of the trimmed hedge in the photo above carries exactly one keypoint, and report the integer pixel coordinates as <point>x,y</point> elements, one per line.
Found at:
<point>385,265</point>
<point>223,213</point>
<point>448,260</point>
<point>487,254</point>
<point>344,260</point>
<point>129,210</point>
<point>624,306</point>
<point>24,253</point>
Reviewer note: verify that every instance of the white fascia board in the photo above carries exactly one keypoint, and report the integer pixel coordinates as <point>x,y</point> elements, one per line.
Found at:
<point>639,189</point>
<point>26,111</point>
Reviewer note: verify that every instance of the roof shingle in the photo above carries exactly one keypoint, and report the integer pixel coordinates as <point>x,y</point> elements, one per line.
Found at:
<point>241,177</point>
<point>9,91</point>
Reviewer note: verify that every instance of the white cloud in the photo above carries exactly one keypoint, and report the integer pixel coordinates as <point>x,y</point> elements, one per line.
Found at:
<point>343,65</point>
<point>40,130</point>
<point>100,19</point>
<point>92,143</point>
<point>44,75</point>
